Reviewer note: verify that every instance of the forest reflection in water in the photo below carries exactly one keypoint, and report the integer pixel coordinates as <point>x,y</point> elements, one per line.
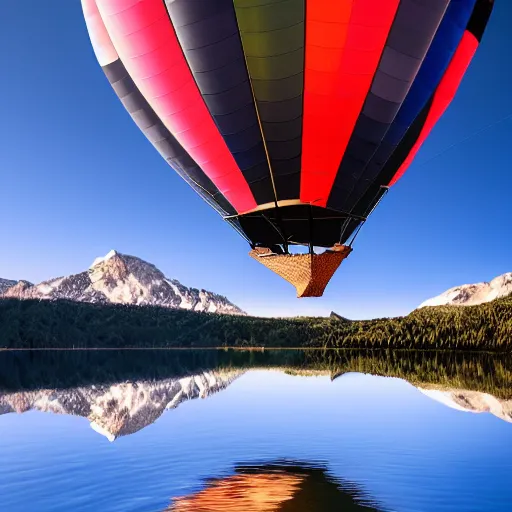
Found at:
<point>274,438</point>
<point>30,370</point>
<point>122,392</point>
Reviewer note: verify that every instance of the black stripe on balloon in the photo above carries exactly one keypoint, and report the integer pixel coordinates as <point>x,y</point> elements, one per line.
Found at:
<point>481,14</point>
<point>207,31</point>
<point>409,39</point>
<point>436,62</point>
<point>371,196</point>
<point>162,139</point>
<point>476,25</point>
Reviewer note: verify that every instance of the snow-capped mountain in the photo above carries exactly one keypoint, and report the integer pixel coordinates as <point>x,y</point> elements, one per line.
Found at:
<point>119,409</point>
<point>471,401</point>
<point>5,284</point>
<point>472,294</point>
<point>122,279</point>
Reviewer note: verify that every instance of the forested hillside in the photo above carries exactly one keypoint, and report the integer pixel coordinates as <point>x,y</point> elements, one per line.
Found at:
<point>66,324</point>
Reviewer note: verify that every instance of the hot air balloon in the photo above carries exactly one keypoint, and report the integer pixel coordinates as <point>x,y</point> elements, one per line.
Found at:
<point>292,118</point>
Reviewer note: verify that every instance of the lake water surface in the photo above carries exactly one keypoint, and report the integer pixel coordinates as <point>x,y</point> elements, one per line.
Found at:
<point>269,431</point>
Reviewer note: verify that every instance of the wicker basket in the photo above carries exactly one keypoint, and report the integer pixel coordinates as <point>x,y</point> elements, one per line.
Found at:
<point>309,273</point>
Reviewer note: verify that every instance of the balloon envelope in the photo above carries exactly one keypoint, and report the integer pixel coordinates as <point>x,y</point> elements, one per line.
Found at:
<point>291,118</point>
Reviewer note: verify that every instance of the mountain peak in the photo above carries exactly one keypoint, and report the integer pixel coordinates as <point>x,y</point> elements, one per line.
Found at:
<point>5,284</point>
<point>102,259</point>
<point>473,294</point>
<point>122,279</point>
<point>18,289</point>
<point>339,318</point>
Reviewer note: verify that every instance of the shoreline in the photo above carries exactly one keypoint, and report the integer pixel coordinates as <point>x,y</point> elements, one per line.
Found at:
<point>253,349</point>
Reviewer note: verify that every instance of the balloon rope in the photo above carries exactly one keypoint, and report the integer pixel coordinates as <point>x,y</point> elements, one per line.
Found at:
<point>469,137</point>
<point>215,205</point>
<point>357,233</point>
<point>386,190</point>
<point>344,227</point>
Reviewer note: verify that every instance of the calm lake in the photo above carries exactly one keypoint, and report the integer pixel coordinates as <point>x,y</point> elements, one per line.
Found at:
<point>259,431</point>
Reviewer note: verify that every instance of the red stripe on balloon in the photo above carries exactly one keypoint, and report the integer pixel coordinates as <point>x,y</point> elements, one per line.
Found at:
<point>145,39</point>
<point>443,96</point>
<point>344,43</point>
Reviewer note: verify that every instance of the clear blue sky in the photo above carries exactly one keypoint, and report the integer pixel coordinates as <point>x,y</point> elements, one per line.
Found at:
<point>72,189</point>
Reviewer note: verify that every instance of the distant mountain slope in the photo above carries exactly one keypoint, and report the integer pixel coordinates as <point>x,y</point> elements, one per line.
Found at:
<point>335,316</point>
<point>122,279</point>
<point>5,284</point>
<point>473,294</point>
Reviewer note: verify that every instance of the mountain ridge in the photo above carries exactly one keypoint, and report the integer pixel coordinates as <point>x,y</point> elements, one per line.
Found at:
<point>473,294</point>
<point>5,284</point>
<point>121,279</point>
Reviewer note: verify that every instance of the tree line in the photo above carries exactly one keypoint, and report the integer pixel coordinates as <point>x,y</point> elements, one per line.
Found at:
<point>67,324</point>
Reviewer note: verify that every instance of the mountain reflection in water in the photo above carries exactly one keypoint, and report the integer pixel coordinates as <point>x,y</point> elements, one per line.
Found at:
<point>119,409</point>
<point>122,392</point>
<point>372,431</point>
<point>276,488</point>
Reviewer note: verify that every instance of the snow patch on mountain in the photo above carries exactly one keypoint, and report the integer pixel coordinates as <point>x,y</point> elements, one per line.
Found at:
<point>121,279</point>
<point>5,284</point>
<point>102,259</point>
<point>473,294</point>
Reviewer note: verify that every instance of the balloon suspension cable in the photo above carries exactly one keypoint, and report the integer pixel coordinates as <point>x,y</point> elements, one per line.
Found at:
<point>310,218</point>
<point>281,230</point>
<point>465,139</point>
<point>207,194</point>
<point>237,228</point>
<point>386,190</point>
<point>356,233</point>
<point>285,242</point>
<point>344,227</point>
<point>218,208</point>
<point>230,218</point>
